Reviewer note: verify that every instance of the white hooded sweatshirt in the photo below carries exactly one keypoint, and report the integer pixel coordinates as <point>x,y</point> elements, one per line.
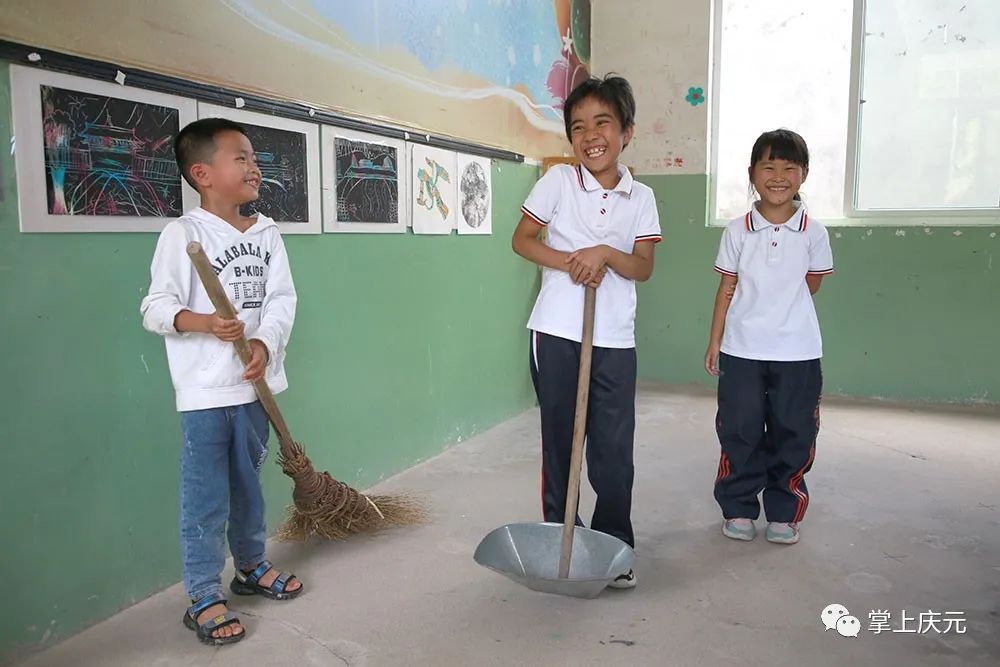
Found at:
<point>253,269</point>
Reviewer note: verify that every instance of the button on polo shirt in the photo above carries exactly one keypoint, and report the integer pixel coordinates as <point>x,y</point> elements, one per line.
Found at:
<point>772,316</point>
<point>580,213</point>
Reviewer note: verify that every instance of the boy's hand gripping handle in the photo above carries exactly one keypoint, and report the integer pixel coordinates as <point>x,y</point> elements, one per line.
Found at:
<point>225,309</point>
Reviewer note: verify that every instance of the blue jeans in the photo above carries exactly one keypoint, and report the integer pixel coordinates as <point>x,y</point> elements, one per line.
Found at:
<point>224,449</point>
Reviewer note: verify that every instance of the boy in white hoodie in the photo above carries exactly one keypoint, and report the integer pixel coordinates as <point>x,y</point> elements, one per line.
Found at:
<point>225,428</point>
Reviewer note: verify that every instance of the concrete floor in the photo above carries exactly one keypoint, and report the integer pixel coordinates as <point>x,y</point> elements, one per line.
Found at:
<point>905,516</point>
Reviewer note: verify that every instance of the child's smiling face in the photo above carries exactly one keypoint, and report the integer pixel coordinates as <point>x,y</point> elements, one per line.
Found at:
<point>597,135</point>
<point>777,181</point>
<point>232,173</point>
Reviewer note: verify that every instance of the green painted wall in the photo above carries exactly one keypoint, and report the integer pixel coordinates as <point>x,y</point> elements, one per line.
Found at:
<point>403,345</point>
<point>909,317</point>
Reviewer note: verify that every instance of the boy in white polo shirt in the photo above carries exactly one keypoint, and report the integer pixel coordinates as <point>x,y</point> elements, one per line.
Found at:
<point>765,346</point>
<point>602,227</point>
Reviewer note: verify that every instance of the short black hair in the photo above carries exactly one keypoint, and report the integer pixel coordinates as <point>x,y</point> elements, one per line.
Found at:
<point>196,143</point>
<point>613,90</point>
<point>781,144</point>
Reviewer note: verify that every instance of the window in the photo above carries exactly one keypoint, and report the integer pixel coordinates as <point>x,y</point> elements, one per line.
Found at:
<point>928,113</point>
<point>782,64</point>
<point>899,101</point>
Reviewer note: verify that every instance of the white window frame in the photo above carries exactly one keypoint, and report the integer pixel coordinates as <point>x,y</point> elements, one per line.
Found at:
<point>853,216</point>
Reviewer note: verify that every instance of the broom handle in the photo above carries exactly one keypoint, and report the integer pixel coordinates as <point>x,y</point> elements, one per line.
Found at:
<point>579,431</point>
<point>225,309</point>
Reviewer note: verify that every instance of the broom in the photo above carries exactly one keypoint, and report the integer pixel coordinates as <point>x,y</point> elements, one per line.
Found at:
<point>322,505</point>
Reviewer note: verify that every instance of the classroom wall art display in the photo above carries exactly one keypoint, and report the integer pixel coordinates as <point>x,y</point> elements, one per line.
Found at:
<point>475,195</point>
<point>288,155</point>
<point>433,189</point>
<point>95,156</point>
<point>364,182</point>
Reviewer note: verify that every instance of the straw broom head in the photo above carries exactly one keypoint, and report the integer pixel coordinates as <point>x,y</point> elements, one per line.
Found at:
<point>332,509</point>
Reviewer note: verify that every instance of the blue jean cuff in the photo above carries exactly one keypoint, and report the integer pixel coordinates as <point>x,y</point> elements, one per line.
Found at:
<point>249,564</point>
<point>208,591</point>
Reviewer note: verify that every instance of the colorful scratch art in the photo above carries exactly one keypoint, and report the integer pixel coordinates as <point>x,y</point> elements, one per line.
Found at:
<point>109,156</point>
<point>428,178</point>
<point>367,182</point>
<point>284,187</point>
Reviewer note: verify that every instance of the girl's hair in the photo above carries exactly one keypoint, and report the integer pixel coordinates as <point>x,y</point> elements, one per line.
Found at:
<point>612,90</point>
<point>780,144</point>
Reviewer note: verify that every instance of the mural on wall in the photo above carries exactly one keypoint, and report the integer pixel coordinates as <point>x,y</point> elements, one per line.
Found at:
<point>532,52</point>
<point>489,71</point>
<point>109,156</point>
<point>567,72</point>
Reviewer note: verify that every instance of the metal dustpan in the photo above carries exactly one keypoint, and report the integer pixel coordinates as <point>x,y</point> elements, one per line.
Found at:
<point>562,558</point>
<point>528,553</point>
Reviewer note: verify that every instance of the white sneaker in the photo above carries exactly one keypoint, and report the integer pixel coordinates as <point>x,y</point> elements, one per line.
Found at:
<point>739,529</point>
<point>626,580</point>
<point>782,533</point>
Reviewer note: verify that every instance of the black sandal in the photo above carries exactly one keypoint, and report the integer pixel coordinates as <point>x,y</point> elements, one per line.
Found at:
<point>205,630</point>
<point>248,583</point>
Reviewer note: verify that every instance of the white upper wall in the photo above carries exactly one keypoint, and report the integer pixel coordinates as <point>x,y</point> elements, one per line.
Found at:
<point>663,47</point>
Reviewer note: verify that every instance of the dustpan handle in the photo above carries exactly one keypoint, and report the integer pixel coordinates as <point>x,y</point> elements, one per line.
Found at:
<point>224,307</point>
<point>579,431</point>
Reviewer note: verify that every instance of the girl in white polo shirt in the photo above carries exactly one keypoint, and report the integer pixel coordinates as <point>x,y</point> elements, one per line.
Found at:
<point>602,227</point>
<point>765,346</point>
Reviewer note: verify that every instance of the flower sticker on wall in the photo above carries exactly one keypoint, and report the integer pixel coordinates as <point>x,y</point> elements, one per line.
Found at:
<point>695,96</point>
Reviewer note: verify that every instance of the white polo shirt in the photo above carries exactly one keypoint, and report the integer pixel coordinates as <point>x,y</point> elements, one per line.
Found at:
<point>772,316</point>
<point>579,213</point>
